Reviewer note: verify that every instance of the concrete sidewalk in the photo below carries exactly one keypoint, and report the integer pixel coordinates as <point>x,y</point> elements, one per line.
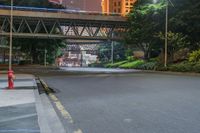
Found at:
<point>21,81</point>
<point>24,110</point>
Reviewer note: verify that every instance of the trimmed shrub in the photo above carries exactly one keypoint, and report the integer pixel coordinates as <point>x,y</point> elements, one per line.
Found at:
<point>196,67</point>
<point>133,64</point>
<point>194,56</point>
<point>115,65</point>
<point>131,58</point>
<point>148,66</point>
<point>96,65</point>
<point>160,67</point>
<point>181,67</point>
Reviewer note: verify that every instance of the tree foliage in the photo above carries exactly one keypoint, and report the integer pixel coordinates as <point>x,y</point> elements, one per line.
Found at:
<point>195,56</point>
<point>176,41</point>
<point>144,23</point>
<point>185,19</point>
<point>104,52</point>
<point>34,48</point>
<point>148,19</point>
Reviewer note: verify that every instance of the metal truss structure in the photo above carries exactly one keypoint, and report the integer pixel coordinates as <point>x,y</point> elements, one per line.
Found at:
<point>29,27</point>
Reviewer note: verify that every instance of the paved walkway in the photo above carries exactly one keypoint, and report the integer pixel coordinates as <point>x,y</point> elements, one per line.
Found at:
<point>21,81</point>
<point>24,110</point>
<point>17,107</point>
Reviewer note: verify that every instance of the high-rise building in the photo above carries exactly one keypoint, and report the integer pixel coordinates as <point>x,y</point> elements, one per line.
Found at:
<point>86,5</point>
<point>122,7</point>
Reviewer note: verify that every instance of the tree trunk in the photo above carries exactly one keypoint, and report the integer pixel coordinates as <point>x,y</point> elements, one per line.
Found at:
<point>146,55</point>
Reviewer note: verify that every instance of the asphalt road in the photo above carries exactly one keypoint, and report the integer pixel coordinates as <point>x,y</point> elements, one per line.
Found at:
<point>130,103</point>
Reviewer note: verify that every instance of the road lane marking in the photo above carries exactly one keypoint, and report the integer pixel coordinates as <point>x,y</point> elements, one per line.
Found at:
<point>65,114</point>
<point>78,131</point>
<point>61,108</point>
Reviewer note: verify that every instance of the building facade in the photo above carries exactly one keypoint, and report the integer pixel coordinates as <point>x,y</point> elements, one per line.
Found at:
<point>122,7</point>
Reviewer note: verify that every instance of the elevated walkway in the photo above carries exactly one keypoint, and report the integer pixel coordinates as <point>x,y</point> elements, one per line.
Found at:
<point>62,25</point>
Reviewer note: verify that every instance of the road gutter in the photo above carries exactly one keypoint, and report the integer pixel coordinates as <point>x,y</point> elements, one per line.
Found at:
<point>64,113</point>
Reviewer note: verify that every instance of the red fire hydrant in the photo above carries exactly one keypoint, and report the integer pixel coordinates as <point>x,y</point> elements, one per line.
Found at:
<point>11,78</point>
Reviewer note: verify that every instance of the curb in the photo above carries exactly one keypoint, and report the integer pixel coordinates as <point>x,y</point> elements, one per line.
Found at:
<point>48,118</point>
<point>61,111</point>
<point>3,72</point>
<point>171,73</point>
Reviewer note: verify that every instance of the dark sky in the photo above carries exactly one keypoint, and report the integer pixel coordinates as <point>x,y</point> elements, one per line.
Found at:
<point>90,5</point>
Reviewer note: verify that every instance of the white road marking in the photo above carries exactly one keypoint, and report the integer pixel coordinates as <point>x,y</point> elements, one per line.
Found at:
<point>78,131</point>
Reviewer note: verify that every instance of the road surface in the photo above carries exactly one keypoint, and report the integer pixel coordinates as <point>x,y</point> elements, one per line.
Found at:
<point>129,103</point>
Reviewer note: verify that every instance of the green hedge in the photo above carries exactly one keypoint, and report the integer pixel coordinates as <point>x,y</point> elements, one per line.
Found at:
<point>97,65</point>
<point>196,67</point>
<point>115,65</point>
<point>181,67</point>
<point>148,66</point>
<point>194,56</point>
<point>185,66</point>
<point>132,65</point>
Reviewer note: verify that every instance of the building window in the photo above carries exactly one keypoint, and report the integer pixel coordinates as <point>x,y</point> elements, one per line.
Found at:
<point>119,10</point>
<point>115,4</point>
<point>119,3</point>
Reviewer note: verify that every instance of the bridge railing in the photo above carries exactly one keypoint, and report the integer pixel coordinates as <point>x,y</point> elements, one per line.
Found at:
<point>24,8</point>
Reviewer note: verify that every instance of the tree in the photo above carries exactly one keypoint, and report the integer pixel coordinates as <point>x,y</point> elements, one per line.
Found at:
<point>34,48</point>
<point>144,24</point>
<point>176,41</point>
<point>186,20</point>
<point>104,52</point>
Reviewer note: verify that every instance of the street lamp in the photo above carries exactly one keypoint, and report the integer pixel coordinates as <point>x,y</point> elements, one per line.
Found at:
<point>166,31</point>
<point>45,57</point>
<point>11,34</point>
<point>11,26</point>
<point>166,27</point>
<point>10,71</point>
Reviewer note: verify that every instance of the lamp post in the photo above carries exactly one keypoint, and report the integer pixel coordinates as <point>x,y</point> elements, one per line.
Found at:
<point>45,57</point>
<point>10,71</point>
<point>112,52</point>
<point>11,35</point>
<point>166,31</point>
<point>166,28</point>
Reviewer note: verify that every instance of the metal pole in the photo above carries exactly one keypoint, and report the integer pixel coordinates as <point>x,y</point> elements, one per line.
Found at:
<point>45,57</point>
<point>81,59</point>
<point>112,52</point>
<point>11,34</point>
<point>166,31</point>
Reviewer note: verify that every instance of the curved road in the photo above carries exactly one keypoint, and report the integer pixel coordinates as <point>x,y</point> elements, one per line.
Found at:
<point>129,103</point>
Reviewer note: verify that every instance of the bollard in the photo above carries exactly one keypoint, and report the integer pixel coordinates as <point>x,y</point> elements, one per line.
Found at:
<point>11,77</point>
